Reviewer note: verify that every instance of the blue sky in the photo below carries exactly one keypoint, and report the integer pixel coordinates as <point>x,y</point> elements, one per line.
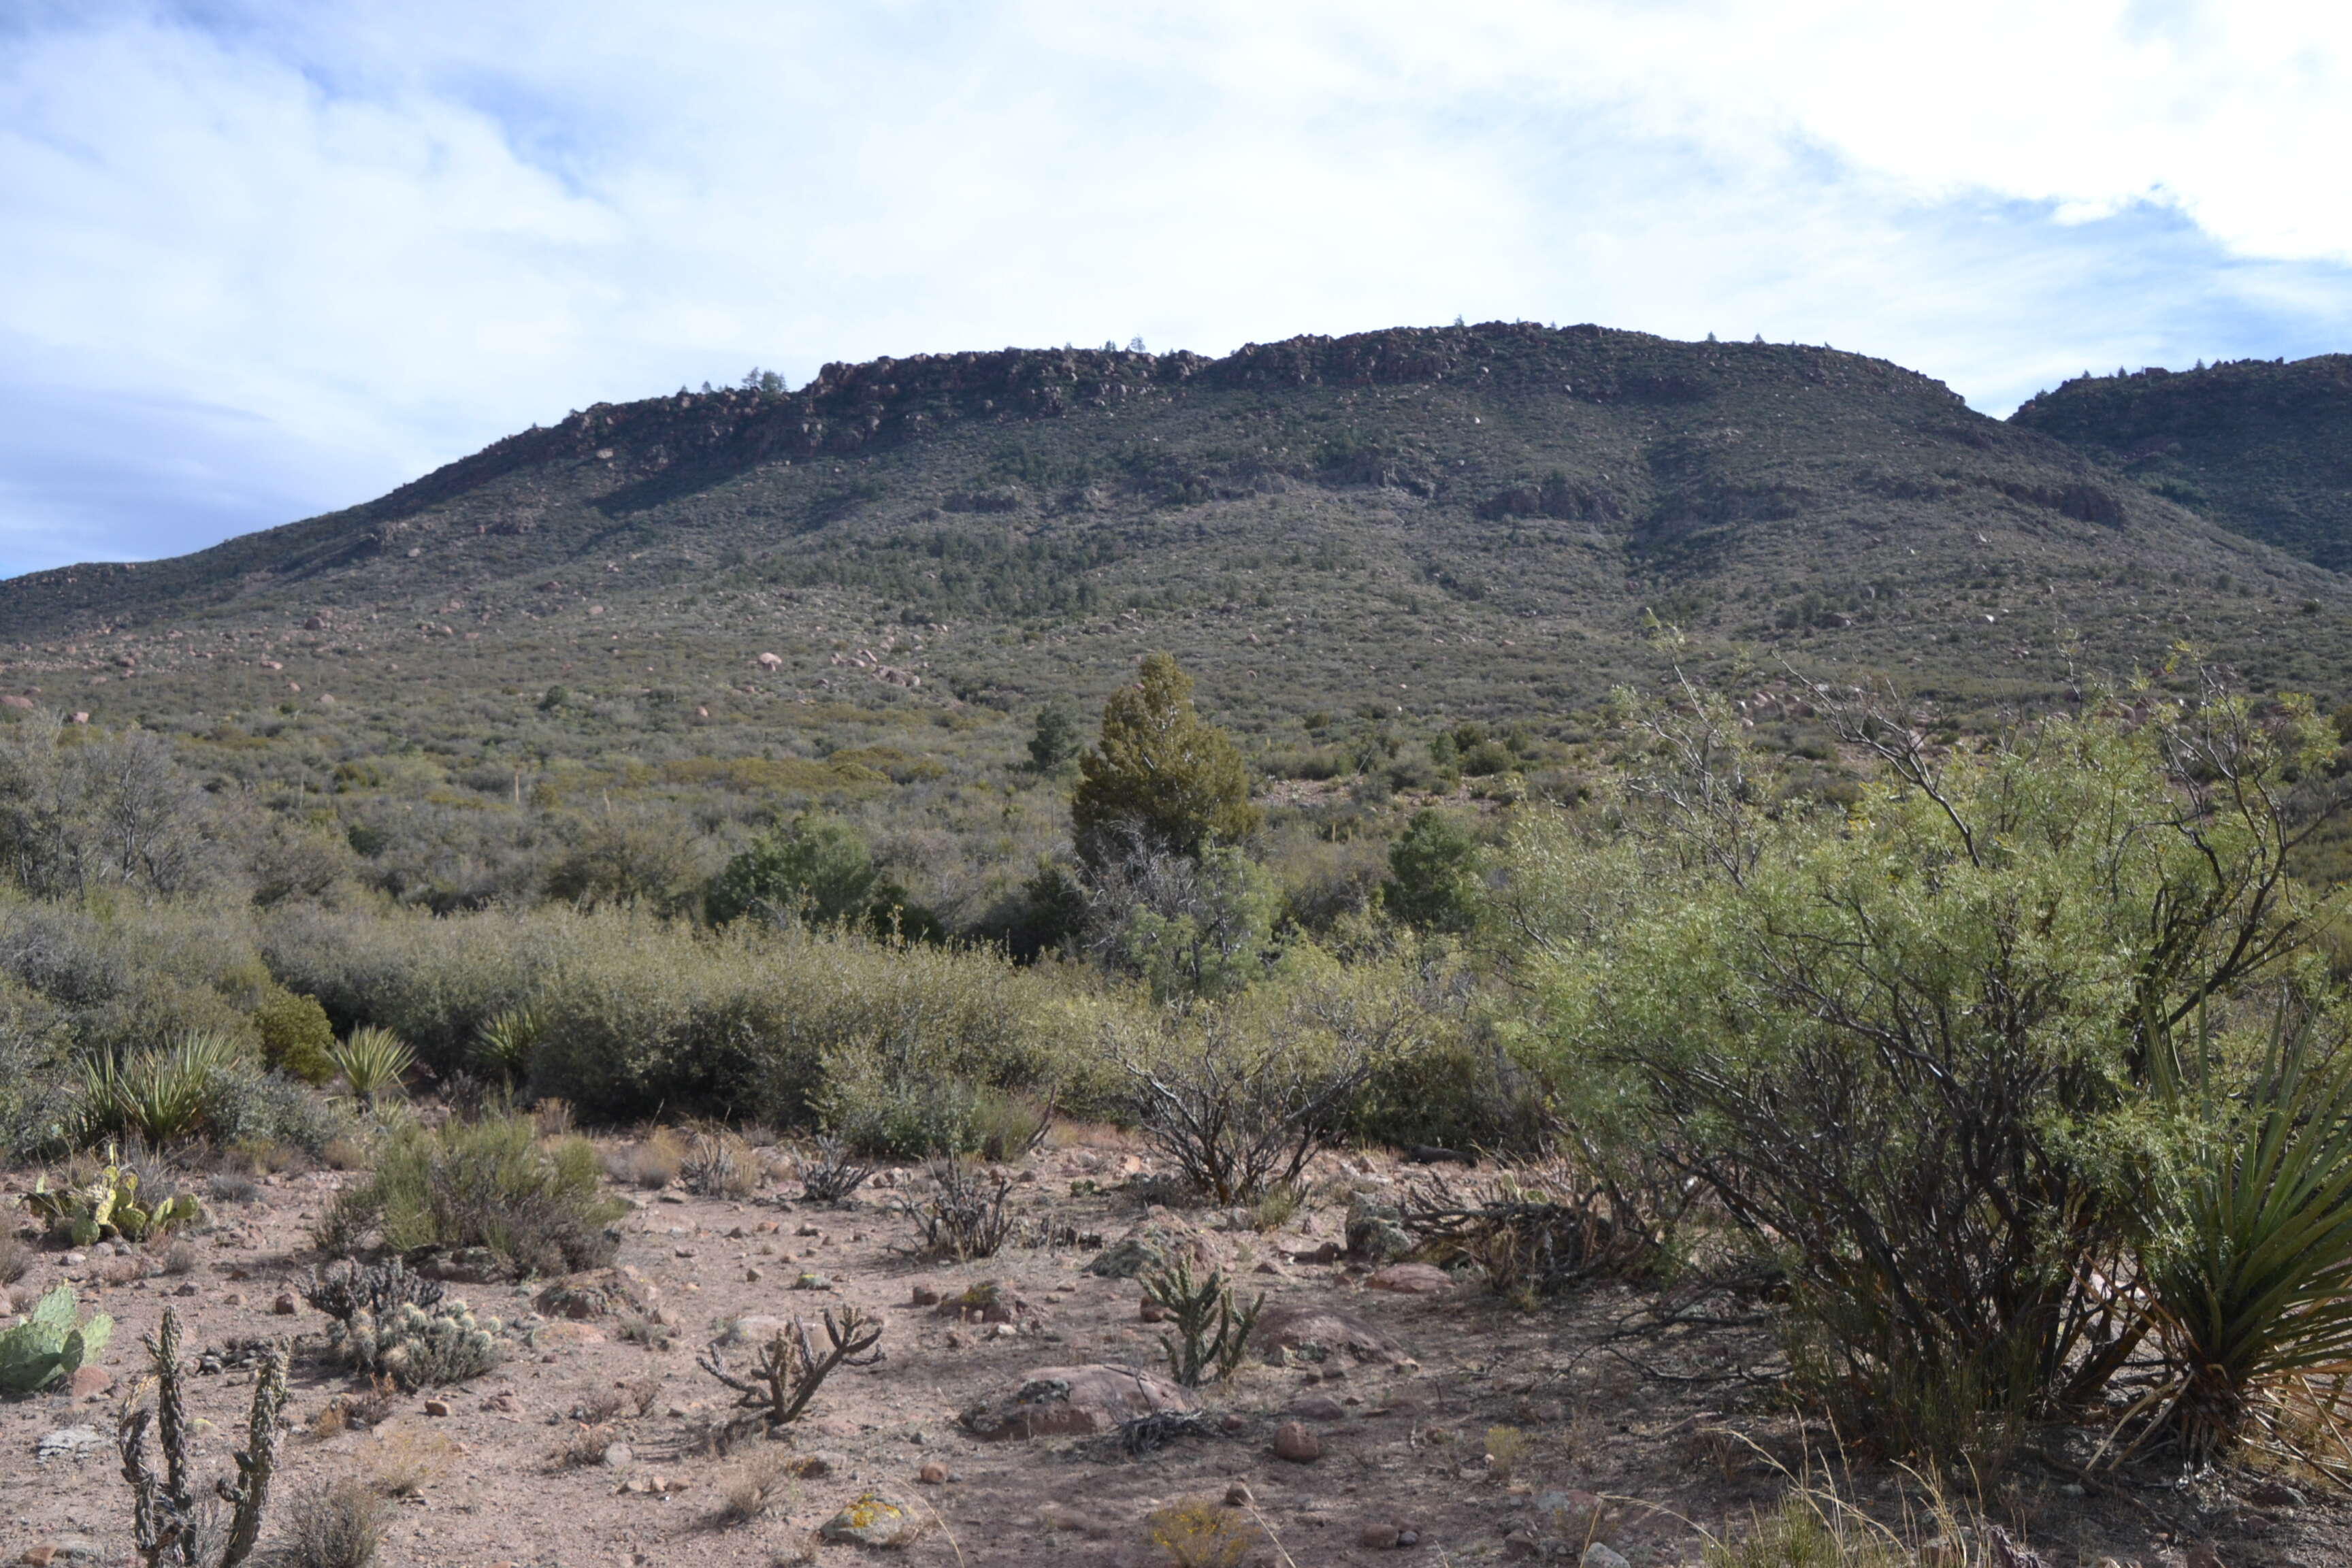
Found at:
<point>260,259</point>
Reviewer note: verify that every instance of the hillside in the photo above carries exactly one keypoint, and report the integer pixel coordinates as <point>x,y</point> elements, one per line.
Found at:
<point>863,591</point>
<point>2262,447</point>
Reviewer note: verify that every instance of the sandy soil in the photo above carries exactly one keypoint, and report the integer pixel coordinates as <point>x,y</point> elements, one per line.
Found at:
<point>1675,1426</point>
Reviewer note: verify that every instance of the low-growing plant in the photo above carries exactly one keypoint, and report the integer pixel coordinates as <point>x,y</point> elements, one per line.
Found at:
<point>1211,1337</point>
<point>1007,1128</point>
<point>332,1524</point>
<point>156,1096</point>
<point>46,1346</point>
<point>373,1063</point>
<point>831,1175</point>
<point>401,1462</point>
<point>169,1523</point>
<point>296,1037</point>
<point>964,1216</point>
<point>1507,1449</point>
<point>16,1258</point>
<point>718,1164</point>
<point>345,1289</point>
<point>652,1162</point>
<point>506,1043</point>
<point>418,1347</point>
<point>484,1183</point>
<point>790,1370</point>
<point>756,1486</point>
<point>1201,1533</point>
<point>107,1207</point>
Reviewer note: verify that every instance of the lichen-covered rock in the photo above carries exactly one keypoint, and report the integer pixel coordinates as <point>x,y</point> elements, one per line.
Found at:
<point>1307,1332</point>
<point>1150,1246</point>
<point>1074,1401</point>
<point>872,1519</point>
<point>1376,1230</point>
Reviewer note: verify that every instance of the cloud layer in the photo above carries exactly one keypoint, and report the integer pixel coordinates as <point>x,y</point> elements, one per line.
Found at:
<point>268,258</point>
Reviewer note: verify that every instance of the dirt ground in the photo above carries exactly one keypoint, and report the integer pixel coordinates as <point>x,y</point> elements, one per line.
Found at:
<point>1645,1433</point>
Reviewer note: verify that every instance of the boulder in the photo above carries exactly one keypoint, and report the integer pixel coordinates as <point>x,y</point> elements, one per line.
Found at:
<point>1412,1280</point>
<point>986,1302</point>
<point>1376,1230</point>
<point>1059,1401</point>
<point>1151,1245</point>
<point>1314,1332</point>
<point>872,1519</point>
<point>1295,1441</point>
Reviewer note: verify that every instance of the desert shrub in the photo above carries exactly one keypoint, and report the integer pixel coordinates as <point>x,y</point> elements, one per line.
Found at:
<point>485,1183</point>
<point>831,1174</point>
<point>718,1164</point>
<point>963,1216</point>
<point>1903,1044</point>
<point>296,1037</point>
<point>1006,1128</point>
<point>506,1044</point>
<point>1188,926</point>
<point>16,1258</point>
<point>817,869</point>
<point>652,1161</point>
<point>1199,1532</point>
<point>332,1524</point>
<point>109,811</point>
<point>1239,1104</point>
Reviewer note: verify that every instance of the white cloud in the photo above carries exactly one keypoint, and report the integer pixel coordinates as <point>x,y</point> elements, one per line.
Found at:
<point>371,238</point>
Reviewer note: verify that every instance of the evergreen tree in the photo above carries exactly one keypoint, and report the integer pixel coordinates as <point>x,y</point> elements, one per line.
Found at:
<point>1159,771</point>
<point>1434,880</point>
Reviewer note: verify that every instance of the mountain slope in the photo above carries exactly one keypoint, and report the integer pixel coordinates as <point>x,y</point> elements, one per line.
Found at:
<point>2262,447</point>
<point>1497,522</point>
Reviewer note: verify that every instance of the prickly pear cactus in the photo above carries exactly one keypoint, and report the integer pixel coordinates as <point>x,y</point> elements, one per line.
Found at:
<point>109,1208</point>
<point>46,1348</point>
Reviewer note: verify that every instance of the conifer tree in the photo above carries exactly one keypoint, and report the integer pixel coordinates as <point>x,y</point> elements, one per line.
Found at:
<point>1159,772</point>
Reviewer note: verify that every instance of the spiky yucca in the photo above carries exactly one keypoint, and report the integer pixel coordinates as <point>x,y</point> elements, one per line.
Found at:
<point>373,1062</point>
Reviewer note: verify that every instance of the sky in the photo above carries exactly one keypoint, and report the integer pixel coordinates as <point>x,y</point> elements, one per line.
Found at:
<point>264,259</point>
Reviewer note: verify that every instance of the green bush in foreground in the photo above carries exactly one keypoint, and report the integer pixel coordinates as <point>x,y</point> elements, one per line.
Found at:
<point>489,1185</point>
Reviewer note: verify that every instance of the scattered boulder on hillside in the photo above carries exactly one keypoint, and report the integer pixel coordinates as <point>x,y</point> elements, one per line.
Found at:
<point>1376,1230</point>
<point>1076,1401</point>
<point>1150,1246</point>
<point>1310,1331</point>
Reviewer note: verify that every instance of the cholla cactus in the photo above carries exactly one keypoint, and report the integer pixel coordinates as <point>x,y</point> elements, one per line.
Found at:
<point>418,1347</point>
<point>174,1525</point>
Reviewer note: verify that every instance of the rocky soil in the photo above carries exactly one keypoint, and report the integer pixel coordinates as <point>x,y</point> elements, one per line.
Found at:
<point>984,1436</point>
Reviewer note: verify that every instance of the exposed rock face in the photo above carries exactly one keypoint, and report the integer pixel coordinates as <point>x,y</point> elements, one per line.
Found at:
<point>1152,1244</point>
<point>1314,1332</point>
<point>1057,1401</point>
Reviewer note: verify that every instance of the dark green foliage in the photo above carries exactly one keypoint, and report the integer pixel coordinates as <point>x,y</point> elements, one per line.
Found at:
<point>1434,875</point>
<point>1058,737</point>
<point>296,1035</point>
<point>1159,772</point>
<point>818,869</point>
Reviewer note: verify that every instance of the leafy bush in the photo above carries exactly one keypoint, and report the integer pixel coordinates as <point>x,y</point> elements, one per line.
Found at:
<point>334,1524</point>
<point>1899,1043</point>
<point>296,1037</point>
<point>818,870</point>
<point>1434,879</point>
<point>488,1185</point>
<point>44,1347</point>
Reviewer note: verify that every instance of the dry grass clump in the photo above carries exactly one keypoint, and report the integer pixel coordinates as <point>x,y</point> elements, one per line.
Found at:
<point>652,1162</point>
<point>14,1257</point>
<point>334,1524</point>
<point>401,1462</point>
<point>1201,1534</point>
<point>756,1486</point>
<point>718,1165</point>
<point>584,1445</point>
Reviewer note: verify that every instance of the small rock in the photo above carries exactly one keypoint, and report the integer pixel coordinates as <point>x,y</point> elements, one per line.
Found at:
<point>1601,1554</point>
<point>187,1289</point>
<point>1319,1407</point>
<point>1062,1516</point>
<point>1231,1421</point>
<point>2274,1494</point>
<point>284,1306</point>
<point>1238,1495</point>
<point>1408,1538</point>
<point>1412,1280</point>
<point>63,1550</point>
<point>233,1299</point>
<point>1519,1543</point>
<point>2201,1556</point>
<point>750,1275</point>
<point>872,1519</point>
<point>813,1282</point>
<point>69,1443</point>
<point>75,1259</point>
<point>1074,1401</point>
<point>1376,1230</point>
<point>89,1381</point>
<point>1295,1442</point>
<point>619,1456</point>
<point>1378,1537</point>
<point>436,1408</point>
<point>814,1466</point>
<point>932,1474</point>
<point>924,1296</point>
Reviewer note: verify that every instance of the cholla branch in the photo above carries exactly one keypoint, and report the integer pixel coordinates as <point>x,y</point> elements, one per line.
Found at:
<point>171,1526</point>
<point>790,1370</point>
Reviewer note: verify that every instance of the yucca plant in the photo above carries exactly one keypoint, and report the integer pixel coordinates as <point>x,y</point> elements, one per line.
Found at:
<point>373,1062</point>
<point>156,1096</point>
<point>2255,1282</point>
<point>505,1043</point>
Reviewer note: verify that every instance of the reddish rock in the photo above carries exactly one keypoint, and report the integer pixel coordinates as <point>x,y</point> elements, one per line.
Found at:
<point>1412,1280</point>
<point>932,1474</point>
<point>1378,1537</point>
<point>1319,1407</point>
<point>436,1408</point>
<point>284,1306</point>
<point>89,1382</point>
<point>1294,1441</point>
<point>1056,1401</point>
